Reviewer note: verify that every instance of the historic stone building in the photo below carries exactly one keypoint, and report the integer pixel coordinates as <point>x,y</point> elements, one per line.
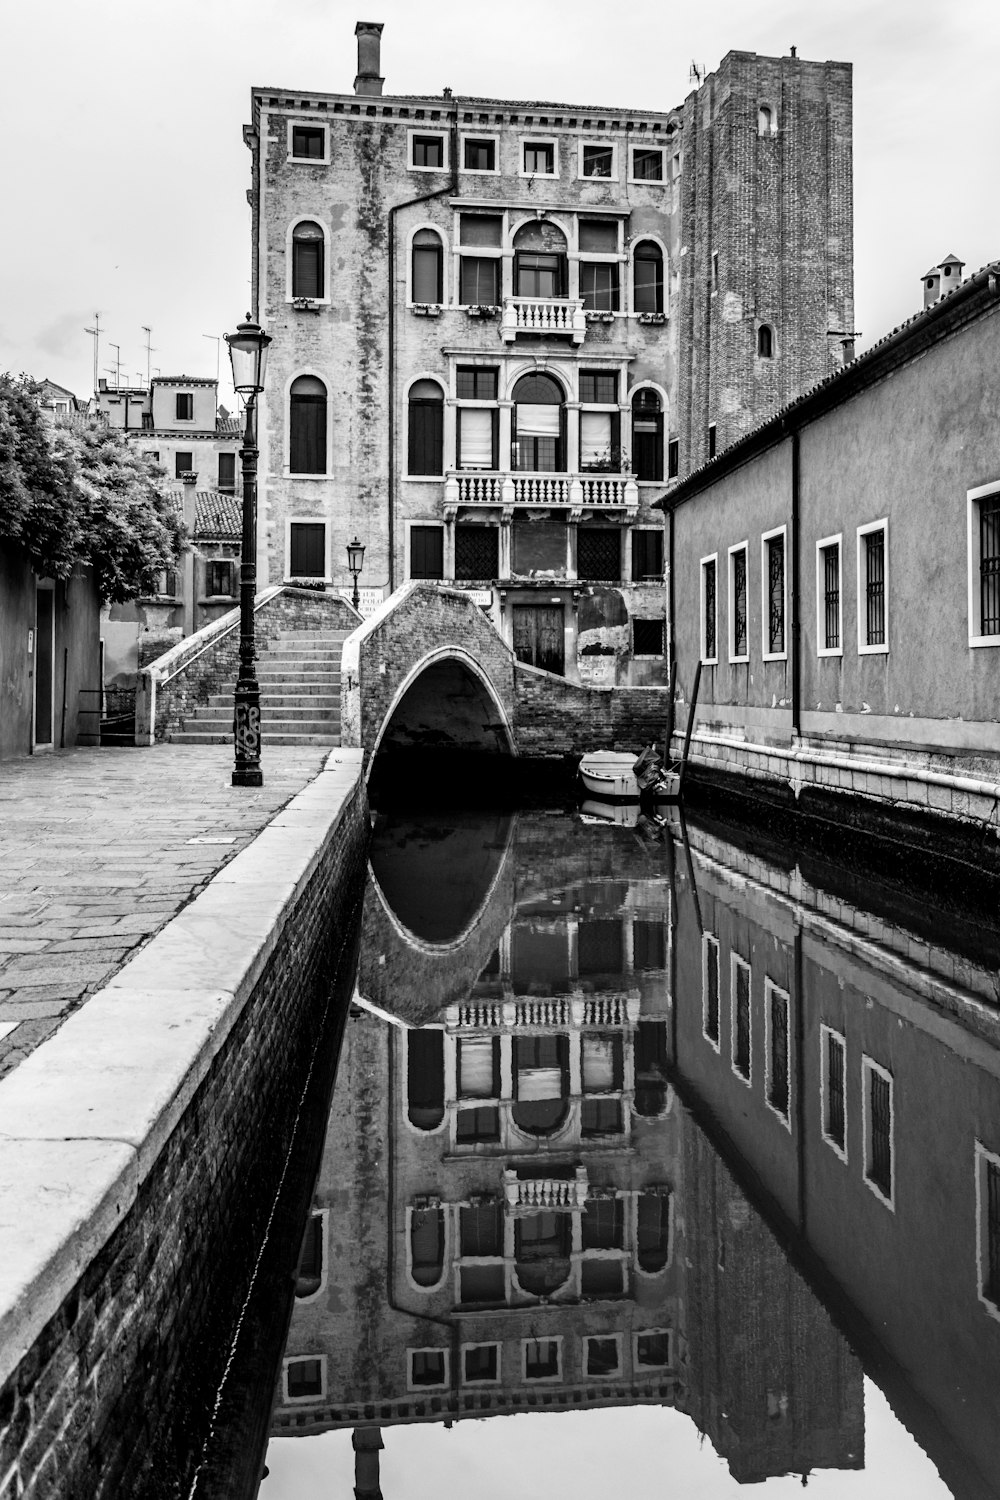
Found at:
<point>501,327</point>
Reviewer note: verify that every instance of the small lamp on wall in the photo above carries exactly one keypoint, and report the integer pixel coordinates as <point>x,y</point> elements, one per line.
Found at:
<point>355,562</point>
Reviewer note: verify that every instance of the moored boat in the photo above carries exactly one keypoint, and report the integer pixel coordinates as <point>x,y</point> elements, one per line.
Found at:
<point>611,774</point>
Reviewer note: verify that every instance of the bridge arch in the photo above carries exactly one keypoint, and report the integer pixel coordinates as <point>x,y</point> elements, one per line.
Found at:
<point>499,726</point>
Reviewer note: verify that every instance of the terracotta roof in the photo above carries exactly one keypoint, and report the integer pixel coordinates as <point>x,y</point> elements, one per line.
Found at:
<point>229,426</point>
<point>217,515</point>
<point>850,377</point>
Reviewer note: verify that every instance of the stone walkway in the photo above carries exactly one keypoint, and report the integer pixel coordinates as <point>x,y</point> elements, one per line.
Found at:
<point>99,848</point>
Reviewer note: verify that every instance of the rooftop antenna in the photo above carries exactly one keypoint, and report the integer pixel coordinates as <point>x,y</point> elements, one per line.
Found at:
<point>218,344</point>
<point>149,348</point>
<point>696,74</point>
<point>118,361</point>
<point>95,334</point>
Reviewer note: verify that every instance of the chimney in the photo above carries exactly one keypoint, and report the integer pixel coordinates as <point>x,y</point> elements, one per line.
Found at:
<point>932,286</point>
<point>369,80</point>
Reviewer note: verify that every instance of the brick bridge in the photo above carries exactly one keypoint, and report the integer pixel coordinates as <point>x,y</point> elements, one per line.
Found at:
<point>429,670</point>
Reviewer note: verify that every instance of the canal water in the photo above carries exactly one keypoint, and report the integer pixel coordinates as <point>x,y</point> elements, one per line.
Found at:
<point>658,1160</point>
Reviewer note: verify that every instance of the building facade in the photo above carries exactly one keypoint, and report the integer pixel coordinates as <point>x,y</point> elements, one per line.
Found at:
<point>500,327</point>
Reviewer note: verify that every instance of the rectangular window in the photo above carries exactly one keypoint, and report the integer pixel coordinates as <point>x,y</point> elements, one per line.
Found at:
<point>307,549</point>
<point>597,161</point>
<point>482,1364</point>
<point>304,1379</point>
<point>479,1068</point>
<point>740,999</point>
<point>876,1095</point>
<point>600,441</point>
<point>481,1229</point>
<point>598,554</point>
<point>984,565</point>
<point>477,553</point>
<point>476,383</point>
<point>477,437</point>
<point>711,439</point>
<point>185,407</point>
<point>598,388</point>
<point>709,608</point>
<point>540,275</point>
<point>426,552</point>
<point>772,589</point>
<point>428,273</point>
<point>219,578</point>
<point>541,1359</point>
<point>479,154</point>
<point>603,1224</point>
<point>183,464</point>
<point>652,1348</point>
<point>425,436</point>
<point>778,1048</point>
<point>988,1225</point>
<point>480,1123</point>
<point>829,608</point>
<point>873,632</point>
<point>647,637</point>
<point>833,1095</point>
<point>428,1367</point>
<point>227,473</point>
<point>647,163</point>
<point>428,152</point>
<point>479,281</point>
<point>539,159</point>
<point>308,142</point>
<point>710,989</point>
<point>647,554</point>
<point>673,458</point>
<point>599,236</point>
<point>738,603</point>
<point>484,230</point>
<point>599,285</point>
<point>603,1355</point>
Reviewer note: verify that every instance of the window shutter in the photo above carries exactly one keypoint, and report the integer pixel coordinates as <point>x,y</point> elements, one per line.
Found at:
<point>476,435</point>
<point>427,273</point>
<point>307,434</point>
<point>308,549</point>
<point>595,438</point>
<point>426,438</point>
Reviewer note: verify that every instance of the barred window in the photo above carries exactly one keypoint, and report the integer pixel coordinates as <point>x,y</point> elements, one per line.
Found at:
<point>738,602</point>
<point>477,553</point>
<point>598,554</point>
<point>829,561</point>
<point>878,1108</point>
<point>989,566</point>
<point>778,1050</point>
<point>307,260</point>
<point>774,591</point>
<point>741,1018</point>
<point>710,989</point>
<point>871,591</point>
<point>833,1064</point>
<point>709,608</point>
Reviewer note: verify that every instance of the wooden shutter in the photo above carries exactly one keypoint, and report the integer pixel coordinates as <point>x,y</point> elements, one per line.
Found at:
<point>426,436</point>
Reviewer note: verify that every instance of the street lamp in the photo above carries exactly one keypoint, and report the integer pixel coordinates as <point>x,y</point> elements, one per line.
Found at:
<point>248,353</point>
<point>355,562</point>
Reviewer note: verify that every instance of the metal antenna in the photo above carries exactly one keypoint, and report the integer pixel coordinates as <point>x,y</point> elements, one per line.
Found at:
<point>149,348</point>
<point>218,345</point>
<point>118,361</point>
<point>95,333</point>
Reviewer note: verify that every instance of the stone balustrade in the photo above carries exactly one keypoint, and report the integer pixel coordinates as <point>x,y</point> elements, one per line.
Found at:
<point>573,491</point>
<point>543,315</point>
<point>533,1194</point>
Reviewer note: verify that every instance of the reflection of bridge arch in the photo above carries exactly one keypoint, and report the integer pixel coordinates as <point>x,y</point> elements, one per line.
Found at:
<point>496,732</point>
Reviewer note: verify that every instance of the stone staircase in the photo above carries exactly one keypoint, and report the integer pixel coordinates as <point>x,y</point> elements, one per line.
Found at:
<point>299,675</point>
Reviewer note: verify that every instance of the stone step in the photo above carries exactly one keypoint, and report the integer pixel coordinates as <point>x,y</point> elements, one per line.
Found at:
<point>211,737</point>
<point>287,722</point>
<point>310,670</point>
<point>304,697</point>
<point>306,638</point>
<point>294,657</point>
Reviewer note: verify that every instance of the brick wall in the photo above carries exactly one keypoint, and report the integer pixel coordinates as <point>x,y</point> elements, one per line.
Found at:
<point>207,662</point>
<point>555,717</point>
<point>94,1409</point>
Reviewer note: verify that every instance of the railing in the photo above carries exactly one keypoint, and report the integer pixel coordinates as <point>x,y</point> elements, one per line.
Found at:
<point>543,315</point>
<point>473,1016</point>
<point>536,1193</point>
<point>541,1013</point>
<point>608,1010</point>
<point>474,487</point>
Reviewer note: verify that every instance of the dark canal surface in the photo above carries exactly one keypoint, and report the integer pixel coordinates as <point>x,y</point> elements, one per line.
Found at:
<point>657,1161</point>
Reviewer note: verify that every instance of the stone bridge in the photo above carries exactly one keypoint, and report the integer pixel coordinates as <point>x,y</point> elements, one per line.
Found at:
<point>429,671</point>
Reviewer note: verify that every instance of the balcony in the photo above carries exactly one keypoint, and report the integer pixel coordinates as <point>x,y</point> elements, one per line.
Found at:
<point>558,317</point>
<point>537,1194</point>
<point>473,487</point>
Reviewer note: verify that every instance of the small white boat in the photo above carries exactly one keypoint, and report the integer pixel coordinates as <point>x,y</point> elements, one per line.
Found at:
<point>611,773</point>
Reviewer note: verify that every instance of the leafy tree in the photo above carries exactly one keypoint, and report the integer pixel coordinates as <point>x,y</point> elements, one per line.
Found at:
<point>81,493</point>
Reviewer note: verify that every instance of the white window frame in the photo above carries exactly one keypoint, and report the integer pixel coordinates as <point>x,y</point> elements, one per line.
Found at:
<point>286,441</point>
<point>615,1374</point>
<point>311,124</point>
<point>542,1379</point>
<point>869,1066</point>
<point>743,547</point>
<point>322,1214</point>
<point>611,146</point>
<point>539,140</point>
<point>660,182</point>
<point>445,260</point>
<point>973,497</point>
<point>984,1157</point>
<point>479,135</point>
<point>708,661</point>
<point>439,1385</point>
<point>440,1208</point>
<point>324,300</point>
<point>710,939</point>
<point>770,989</point>
<point>862,595</point>
<point>821,546</point>
<point>824,1086</point>
<point>641,1333</point>
<point>298,1359</point>
<point>485,1381</point>
<point>299,520</point>
<point>765,594</point>
<point>441,135</point>
<point>736,961</point>
<point>407,477</point>
<point>427,522</point>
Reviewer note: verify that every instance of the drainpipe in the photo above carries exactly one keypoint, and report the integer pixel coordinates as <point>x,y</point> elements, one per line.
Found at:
<point>452,189</point>
<point>796,621</point>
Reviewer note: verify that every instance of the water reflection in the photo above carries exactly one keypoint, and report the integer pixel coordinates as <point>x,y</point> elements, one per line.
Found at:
<point>624,1124</point>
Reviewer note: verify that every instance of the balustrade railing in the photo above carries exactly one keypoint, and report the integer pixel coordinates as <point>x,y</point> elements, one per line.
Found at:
<point>474,487</point>
<point>535,1193</point>
<point>543,315</point>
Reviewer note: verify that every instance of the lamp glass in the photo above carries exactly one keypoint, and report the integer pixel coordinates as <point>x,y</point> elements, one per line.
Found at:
<point>355,556</point>
<point>248,348</point>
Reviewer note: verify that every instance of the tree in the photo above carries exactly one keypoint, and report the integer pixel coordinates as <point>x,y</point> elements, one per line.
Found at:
<point>81,494</point>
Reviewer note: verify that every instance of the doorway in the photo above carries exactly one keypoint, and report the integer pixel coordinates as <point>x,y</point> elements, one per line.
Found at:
<point>538,636</point>
<point>45,620</point>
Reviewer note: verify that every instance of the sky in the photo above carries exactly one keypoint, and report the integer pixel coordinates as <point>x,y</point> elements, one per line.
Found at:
<point>127,195</point>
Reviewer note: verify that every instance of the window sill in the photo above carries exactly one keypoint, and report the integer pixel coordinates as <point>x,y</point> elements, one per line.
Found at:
<point>774,655</point>
<point>426,309</point>
<point>441,171</point>
<point>710,661</point>
<point>651,320</point>
<point>834,650</point>
<point>482,310</point>
<point>287,475</point>
<point>873,1187</point>
<point>593,316</point>
<point>308,161</point>
<point>653,182</point>
<point>838,1151</point>
<point>738,661</point>
<point>308,304</point>
<point>976,641</point>
<point>873,650</point>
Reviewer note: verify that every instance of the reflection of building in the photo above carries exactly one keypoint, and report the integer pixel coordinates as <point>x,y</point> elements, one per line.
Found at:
<point>500,328</point>
<point>503,1221</point>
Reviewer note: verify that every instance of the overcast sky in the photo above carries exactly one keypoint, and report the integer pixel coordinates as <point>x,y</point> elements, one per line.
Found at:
<point>123,171</point>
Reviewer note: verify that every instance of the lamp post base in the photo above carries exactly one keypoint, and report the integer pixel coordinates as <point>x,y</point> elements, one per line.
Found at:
<point>246,733</point>
<point>248,777</point>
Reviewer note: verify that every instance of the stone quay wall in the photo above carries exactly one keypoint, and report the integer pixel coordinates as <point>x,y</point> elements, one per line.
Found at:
<point>207,662</point>
<point>143,1148</point>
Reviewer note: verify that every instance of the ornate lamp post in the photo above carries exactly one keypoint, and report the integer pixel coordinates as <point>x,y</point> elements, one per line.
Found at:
<point>248,352</point>
<point>355,562</point>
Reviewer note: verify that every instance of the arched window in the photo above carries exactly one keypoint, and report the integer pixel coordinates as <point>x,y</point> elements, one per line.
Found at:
<point>428,267</point>
<point>307,260</point>
<point>426,428</point>
<point>653,1231</point>
<point>541,1083</point>
<point>647,435</point>
<point>647,278</point>
<point>427,1245</point>
<point>764,120</point>
<point>765,341</point>
<point>310,1273</point>
<point>538,425</point>
<point>540,260</point>
<point>307,426</point>
<point>425,1078</point>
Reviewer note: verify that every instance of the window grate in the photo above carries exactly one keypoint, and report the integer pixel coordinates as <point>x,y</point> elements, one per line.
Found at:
<point>835,1091</point>
<point>880,1166</point>
<point>477,552</point>
<point>992,1287</point>
<point>710,651</point>
<point>989,566</point>
<point>741,1042</point>
<point>598,554</point>
<point>777,1093</point>
<point>740,603</point>
<point>831,597</point>
<point>875,588</point>
<point>776,595</point>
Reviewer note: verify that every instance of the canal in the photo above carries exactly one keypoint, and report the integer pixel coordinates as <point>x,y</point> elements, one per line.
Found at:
<point>658,1158</point>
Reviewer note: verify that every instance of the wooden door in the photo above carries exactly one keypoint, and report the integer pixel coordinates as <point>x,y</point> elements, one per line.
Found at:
<point>44,665</point>
<point>538,636</point>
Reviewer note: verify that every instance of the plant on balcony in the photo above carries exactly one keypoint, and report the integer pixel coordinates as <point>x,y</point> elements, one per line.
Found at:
<point>482,310</point>
<point>316,585</point>
<point>427,309</point>
<point>598,315</point>
<point>607,461</point>
<point>651,319</point>
<point>304,304</point>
